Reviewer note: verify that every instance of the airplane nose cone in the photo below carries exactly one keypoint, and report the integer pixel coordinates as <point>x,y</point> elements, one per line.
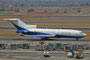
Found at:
<point>84,34</point>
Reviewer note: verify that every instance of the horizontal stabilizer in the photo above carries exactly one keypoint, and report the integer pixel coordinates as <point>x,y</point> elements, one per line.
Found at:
<point>11,19</point>
<point>31,26</point>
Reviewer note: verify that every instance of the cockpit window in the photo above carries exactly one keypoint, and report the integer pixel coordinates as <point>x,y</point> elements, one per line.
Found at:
<point>80,32</point>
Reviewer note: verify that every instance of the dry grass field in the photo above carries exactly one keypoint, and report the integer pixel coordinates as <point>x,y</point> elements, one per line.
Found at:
<point>54,20</point>
<point>9,33</point>
<point>42,16</point>
<point>48,10</point>
<point>51,25</point>
<point>57,21</point>
<point>30,17</point>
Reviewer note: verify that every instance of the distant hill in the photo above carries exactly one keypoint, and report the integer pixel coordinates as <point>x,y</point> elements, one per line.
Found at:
<point>44,2</point>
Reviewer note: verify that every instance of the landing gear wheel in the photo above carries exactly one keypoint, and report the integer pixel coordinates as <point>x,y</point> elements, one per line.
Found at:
<point>44,38</point>
<point>77,39</point>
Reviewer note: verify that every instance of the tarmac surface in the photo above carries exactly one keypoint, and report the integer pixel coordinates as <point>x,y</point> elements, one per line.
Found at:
<point>38,56</point>
<point>30,54</point>
<point>39,53</point>
<point>38,39</point>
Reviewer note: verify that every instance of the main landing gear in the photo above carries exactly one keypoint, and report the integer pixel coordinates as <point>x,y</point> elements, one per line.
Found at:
<point>44,38</point>
<point>77,39</point>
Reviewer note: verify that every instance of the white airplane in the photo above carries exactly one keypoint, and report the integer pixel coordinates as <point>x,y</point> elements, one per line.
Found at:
<point>32,31</point>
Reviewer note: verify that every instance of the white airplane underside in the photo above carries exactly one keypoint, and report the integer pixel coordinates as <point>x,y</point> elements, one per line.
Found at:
<point>32,31</point>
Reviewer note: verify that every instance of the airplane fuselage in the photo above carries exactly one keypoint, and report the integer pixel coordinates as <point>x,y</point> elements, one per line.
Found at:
<point>58,33</point>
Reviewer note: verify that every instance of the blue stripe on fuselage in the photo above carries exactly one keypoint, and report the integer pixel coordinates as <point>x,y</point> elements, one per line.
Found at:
<point>61,36</point>
<point>19,28</point>
<point>26,32</point>
<point>34,33</point>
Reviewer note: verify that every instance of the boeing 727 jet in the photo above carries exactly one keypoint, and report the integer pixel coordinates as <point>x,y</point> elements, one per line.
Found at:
<point>32,31</point>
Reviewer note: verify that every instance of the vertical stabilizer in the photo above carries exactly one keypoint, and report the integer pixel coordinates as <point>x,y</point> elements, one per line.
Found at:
<point>20,25</point>
<point>17,23</point>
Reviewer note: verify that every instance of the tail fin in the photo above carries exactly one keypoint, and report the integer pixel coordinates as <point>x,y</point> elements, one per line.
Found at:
<point>19,24</point>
